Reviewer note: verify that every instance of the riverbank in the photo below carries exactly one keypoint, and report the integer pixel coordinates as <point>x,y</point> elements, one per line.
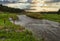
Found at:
<point>45,29</point>
<point>12,32</point>
<point>48,16</point>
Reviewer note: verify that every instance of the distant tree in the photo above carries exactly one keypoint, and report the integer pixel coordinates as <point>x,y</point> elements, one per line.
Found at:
<point>59,11</point>
<point>12,10</point>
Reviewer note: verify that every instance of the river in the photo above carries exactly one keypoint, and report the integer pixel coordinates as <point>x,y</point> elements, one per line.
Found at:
<point>46,29</point>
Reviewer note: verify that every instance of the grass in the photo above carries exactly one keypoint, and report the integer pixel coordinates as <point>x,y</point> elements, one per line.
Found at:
<point>12,32</point>
<point>15,36</point>
<point>35,15</point>
<point>52,17</point>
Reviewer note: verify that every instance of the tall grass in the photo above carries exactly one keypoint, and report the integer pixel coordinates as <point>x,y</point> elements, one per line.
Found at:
<point>51,16</point>
<point>12,32</point>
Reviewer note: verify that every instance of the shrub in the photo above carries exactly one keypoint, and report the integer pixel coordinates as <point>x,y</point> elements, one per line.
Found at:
<point>35,15</point>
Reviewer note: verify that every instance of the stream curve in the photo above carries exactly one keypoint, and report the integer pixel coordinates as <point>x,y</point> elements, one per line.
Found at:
<point>46,29</point>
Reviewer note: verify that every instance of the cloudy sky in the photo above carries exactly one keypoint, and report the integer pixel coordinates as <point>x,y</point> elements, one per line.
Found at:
<point>54,0</point>
<point>30,0</point>
<point>47,0</point>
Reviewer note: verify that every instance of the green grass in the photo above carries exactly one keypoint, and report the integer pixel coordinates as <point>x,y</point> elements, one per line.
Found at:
<point>12,32</point>
<point>35,15</point>
<point>15,36</point>
<point>52,17</point>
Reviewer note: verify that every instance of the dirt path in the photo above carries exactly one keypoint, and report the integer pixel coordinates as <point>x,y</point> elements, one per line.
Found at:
<point>49,30</point>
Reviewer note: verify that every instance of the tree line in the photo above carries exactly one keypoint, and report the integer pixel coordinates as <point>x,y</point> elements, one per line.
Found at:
<point>11,10</point>
<point>16,10</point>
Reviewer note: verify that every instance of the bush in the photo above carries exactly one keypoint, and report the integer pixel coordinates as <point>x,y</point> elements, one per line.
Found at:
<point>35,15</point>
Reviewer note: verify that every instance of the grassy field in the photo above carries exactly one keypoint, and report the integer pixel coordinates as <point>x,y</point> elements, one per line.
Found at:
<point>12,32</point>
<point>52,17</point>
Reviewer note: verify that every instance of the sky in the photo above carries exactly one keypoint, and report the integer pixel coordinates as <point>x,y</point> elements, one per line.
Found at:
<point>54,0</point>
<point>25,6</point>
<point>29,0</point>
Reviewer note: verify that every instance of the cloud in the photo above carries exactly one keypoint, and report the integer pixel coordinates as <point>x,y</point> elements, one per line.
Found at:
<point>53,0</point>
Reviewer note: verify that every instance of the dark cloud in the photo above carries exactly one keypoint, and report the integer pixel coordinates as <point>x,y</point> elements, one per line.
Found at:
<point>56,0</point>
<point>52,0</point>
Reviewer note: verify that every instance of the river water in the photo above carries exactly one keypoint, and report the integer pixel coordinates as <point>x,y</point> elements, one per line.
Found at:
<point>46,29</point>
